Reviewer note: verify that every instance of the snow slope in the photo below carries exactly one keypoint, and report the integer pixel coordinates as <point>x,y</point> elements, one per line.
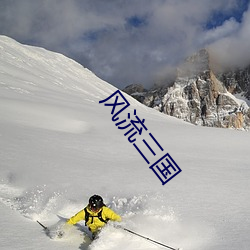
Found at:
<point>58,146</point>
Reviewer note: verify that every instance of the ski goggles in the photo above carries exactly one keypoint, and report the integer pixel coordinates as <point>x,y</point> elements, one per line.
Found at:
<point>94,208</point>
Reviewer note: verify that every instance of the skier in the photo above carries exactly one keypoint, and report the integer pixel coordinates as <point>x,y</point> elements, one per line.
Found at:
<point>95,214</point>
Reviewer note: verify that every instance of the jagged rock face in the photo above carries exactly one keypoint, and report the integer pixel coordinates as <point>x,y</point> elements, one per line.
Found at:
<point>134,88</point>
<point>199,97</point>
<point>237,81</point>
<point>204,102</point>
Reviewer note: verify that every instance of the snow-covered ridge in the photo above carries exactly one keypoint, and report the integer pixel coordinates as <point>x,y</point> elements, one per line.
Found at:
<point>48,67</point>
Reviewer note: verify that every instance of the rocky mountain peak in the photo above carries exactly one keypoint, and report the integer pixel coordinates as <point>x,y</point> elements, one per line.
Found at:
<point>200,96</point>
<point>196,64</point>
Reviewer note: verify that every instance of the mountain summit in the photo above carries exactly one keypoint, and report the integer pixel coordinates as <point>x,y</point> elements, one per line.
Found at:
<point>201,96</point>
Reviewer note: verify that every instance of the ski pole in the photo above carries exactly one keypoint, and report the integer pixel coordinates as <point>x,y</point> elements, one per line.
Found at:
<point>149,239</point>
<point>45,228</point>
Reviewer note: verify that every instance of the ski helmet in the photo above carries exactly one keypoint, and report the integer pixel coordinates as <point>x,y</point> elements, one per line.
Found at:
<point>95,202</point>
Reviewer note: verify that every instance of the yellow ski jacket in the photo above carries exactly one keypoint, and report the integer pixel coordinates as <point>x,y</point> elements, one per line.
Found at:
<point>94,223</point>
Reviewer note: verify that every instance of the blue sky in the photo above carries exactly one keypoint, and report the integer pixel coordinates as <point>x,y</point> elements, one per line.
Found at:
<point>218,17</point>
<point>131,41</point>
